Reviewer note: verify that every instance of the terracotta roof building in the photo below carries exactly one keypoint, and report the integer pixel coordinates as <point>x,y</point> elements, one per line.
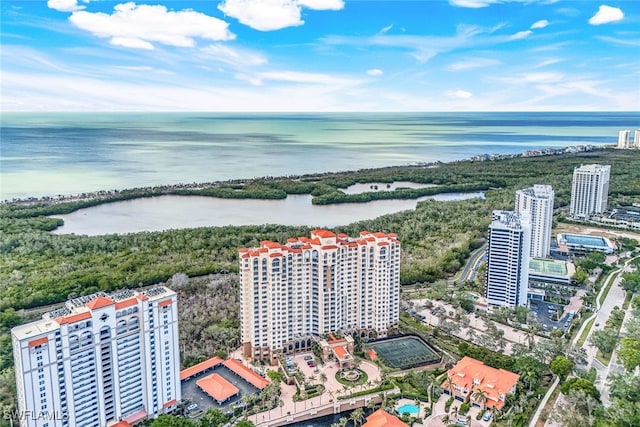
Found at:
<point>381,418</point>
<point>217,387</point>
<point>313,285</point>
<point>470,378</point>
<point>110,359</point>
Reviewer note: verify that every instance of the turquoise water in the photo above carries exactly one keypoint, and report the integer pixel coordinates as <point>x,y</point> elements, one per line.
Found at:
<point>70,153</point>
<point>585,240</point>
<point>409,408</point>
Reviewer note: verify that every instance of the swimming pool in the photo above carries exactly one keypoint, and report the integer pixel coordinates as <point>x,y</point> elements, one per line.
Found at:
<point>408,408</point>
<point>577,239</point>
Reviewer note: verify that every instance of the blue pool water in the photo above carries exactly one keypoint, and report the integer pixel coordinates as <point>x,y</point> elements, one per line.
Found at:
<point>408,408</point>
<point>585,240</point>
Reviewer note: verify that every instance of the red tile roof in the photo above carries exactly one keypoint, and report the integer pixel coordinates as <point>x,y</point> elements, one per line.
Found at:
<point>381,418</point>
<point>217,387</point>
<point>170,403</point>
<point>73,318</point>
<point>340,352</point>
<point>38,341</point>
<point>99,302</point>
<point>496,383</point>
<point>202,366</point>
<point>246,373</point>
<point>165,302</point>
<point>323,233</point>
<point>126,303</point>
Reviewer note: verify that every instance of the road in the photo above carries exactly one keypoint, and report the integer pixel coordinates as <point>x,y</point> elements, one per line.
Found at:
<point>471,265</point>
<point>615,297</point>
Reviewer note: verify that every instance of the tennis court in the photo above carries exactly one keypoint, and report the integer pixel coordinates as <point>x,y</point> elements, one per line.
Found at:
<point>405,352</point>
<point>548,267</point>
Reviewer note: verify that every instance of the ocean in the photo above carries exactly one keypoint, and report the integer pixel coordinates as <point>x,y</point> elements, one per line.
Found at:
<point>44,154</point>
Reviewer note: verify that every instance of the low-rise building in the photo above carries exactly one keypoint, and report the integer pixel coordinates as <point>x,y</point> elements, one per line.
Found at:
<point>484,386</point>
<point>382,418</point>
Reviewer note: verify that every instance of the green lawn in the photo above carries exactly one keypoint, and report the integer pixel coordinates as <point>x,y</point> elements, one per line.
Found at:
<point>585,332</point>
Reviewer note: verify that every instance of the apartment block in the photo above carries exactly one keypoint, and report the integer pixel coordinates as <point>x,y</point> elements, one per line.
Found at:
<point>508,250</point>
<point>101,360</point>
<point>310,286</point>
<point>538,201</point>
<point>589,190</point>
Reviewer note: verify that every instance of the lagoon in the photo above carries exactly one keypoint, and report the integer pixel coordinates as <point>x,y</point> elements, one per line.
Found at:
<point>176,212</point>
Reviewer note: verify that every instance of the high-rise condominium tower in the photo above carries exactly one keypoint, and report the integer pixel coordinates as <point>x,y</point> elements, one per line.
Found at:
<point>311,286</point>
<point>589,190</point>
<point>624,139</point>
<point>101,360</point>
<point>636,139</point>
<point>508,259</point>
<point>538,200</point>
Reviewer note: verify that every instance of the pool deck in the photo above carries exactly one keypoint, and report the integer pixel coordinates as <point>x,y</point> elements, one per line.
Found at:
<point>420,405</point>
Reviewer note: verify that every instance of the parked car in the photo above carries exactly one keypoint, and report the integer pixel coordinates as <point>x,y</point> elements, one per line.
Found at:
<point>192,407</point>
<point>486,416</point>
<point>461,421</point>
<point>307,357</point>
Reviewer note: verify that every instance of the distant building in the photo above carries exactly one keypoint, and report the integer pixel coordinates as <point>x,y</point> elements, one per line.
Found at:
<point>470,376</point>
<point>624,139</point>
<point>310,286</point>
<point>590,190</point>
<point>636,139</point>
<point>101,360</point>
<point>538,200</point>
<point>508,251</point>
<point>582,243</point>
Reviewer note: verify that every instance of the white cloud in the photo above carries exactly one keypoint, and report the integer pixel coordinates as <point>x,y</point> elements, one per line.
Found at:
<point>386,29</point>
<point>620,42</point>
<point>234,57</point>
<point>322,4</point>
<point>472,63</point>
<point>458,94</point>
<point>474,4</point>
<point>64,5</point>
<point>375,72</point>
<point>521,35</point>
<point>269,15</point>
<point>306,78</point>
<point>606,14</point>
<point>140,26</point>
<point>539,24</point>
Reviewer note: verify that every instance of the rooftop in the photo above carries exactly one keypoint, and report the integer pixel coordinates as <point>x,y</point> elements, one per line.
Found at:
<point>202,366</point>
<point>381,418</point>
<point>550,267</point>
<point>495,383</point>
<point>217,387</point>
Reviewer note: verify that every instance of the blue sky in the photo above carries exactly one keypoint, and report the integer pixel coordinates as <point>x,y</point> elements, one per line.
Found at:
<point>320,55</point>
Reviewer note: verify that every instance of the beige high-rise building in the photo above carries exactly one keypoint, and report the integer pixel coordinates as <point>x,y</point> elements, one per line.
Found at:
<point>101,360</point>
<point>590,190</point>
<point>310,286</point>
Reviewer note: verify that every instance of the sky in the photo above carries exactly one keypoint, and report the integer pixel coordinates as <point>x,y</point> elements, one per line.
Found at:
<point>320,55</point>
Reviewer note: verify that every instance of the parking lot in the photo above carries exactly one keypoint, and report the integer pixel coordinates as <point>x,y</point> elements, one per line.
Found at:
<point>193,393</point>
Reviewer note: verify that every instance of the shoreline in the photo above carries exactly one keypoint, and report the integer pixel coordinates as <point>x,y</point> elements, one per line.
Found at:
<point>88,199</point>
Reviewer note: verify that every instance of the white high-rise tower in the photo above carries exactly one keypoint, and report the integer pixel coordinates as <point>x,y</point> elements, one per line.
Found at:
<point>508,259</point>
<point>100,360</point>
<point>636,139</point>
<point>590,190</point>
<point>624,139</point>
<point>538,200</point>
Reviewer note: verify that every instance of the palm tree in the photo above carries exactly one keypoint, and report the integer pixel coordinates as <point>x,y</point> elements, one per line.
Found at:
<point>446,419</point>
<point>357,416</point>
<point>454,410</point>
<point>342,422</point>
<point>449,384</point>
<point>480,396</point>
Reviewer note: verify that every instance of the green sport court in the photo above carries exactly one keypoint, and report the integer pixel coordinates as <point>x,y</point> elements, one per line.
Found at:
<point>405,352</point>
<point>544,266</point>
